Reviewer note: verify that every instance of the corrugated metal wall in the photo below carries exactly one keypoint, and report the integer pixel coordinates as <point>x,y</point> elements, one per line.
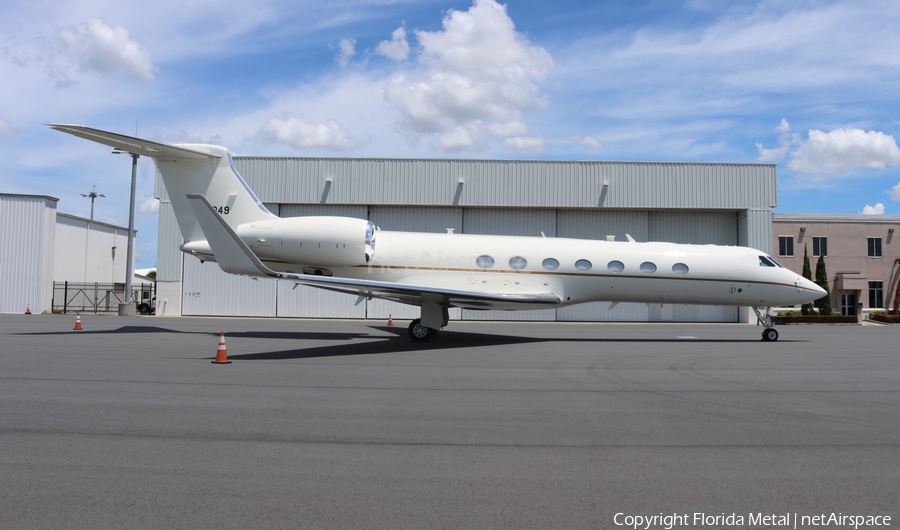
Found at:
<point>169,258</point>
<point>510,183</point>
<point>88,251</point>
<point>26,260</point>
<point>207,291</point>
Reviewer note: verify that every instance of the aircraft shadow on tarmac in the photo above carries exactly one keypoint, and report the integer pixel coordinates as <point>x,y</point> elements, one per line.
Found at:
<point>444,341</point>
<point>396,341</point>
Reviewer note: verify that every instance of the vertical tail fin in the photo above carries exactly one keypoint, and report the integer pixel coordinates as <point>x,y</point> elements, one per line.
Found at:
<point>202,169</point>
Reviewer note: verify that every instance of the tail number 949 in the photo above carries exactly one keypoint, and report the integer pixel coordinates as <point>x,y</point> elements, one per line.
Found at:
<point>224,210</point>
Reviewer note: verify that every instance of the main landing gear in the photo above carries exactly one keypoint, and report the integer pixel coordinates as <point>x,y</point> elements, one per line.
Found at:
<point>770,334</point>
<point>434,317</point>
<point>419,332</point>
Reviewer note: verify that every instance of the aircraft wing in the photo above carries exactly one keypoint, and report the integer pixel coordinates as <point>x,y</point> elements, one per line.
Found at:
<point>131,144</point>
<point>235,257</point>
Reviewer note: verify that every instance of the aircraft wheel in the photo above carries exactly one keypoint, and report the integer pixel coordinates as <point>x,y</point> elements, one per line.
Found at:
<point>770,335</point>
<point>418,332</point>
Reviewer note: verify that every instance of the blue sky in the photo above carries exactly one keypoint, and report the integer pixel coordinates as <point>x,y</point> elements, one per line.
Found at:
<point>809,85</point>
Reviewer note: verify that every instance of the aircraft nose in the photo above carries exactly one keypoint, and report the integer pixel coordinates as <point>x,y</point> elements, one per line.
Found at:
<point>807,285</point>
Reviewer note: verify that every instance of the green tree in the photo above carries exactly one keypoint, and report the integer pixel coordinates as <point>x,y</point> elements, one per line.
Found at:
<point>806,309</point>
<point>824,303</point>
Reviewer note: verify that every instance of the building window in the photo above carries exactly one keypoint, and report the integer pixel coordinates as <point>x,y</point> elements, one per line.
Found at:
<point>874,247</point>
<point>876,295</point>
<point>786,246</point>
<point>820,246</point>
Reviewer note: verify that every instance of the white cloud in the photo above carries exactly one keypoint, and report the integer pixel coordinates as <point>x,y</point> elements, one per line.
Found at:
<point>150,205</point>
<point>878,209</point>
<point>587,141</point>
<point>105,50</point>
<point>468,136</point>
<point>843,150</point>
<point>346,51</point>
<point>397,48</point>
<point>784,144</point>
<point>478,72</point>
<point>835,152</point>
<point>300,133</point>
<point>525,143</point>
<point>510,128</point>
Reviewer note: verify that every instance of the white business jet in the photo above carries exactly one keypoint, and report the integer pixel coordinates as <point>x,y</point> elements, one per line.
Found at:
<point>222,220</point>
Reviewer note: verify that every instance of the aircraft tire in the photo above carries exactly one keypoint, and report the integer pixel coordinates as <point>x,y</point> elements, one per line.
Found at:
<point>770,335</point>
<point>418,332</point>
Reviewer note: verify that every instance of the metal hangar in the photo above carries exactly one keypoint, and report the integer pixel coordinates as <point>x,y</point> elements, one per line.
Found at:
<point>698,203</point>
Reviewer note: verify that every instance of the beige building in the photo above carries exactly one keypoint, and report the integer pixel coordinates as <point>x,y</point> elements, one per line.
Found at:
<point>861,255</point>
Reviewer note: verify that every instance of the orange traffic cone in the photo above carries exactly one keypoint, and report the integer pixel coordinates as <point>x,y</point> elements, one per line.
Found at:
<point>77,322</point>
<point>390,320</point>
<point>222,354</point>
<point>28,309</point>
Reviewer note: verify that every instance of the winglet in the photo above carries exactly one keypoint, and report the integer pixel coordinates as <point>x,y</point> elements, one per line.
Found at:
<point>232,254</point>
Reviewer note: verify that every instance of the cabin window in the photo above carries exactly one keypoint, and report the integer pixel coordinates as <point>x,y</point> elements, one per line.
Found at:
<point>648,267</point>
<point>518,262</point>
<point>485,262</point>
<point>615,266</point>
<point>680,268</point>
<point>550,264</point>
<point>583,265</point>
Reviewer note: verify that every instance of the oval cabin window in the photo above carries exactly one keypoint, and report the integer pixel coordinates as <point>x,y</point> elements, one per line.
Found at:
<point>518,262</point>
<point>485,262</point>
<point>583,265</point>
<point>616,266</point>
<point>680,268</point>
<point>648,267</point>
<point>550,264</point>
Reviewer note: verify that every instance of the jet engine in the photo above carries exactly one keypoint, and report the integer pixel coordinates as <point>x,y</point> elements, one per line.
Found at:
<point>314,241</point>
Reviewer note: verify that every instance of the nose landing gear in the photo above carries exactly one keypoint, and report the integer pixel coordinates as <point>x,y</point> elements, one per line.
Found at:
<point>770,334</point>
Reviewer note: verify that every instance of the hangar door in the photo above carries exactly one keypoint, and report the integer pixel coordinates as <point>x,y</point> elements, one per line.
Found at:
<point>718,228</point>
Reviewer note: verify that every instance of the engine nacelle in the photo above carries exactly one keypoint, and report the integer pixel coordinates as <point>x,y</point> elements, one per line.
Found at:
<point>314,241</point>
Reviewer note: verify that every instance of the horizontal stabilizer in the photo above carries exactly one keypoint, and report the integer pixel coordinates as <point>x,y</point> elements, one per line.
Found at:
<point>131,144</point>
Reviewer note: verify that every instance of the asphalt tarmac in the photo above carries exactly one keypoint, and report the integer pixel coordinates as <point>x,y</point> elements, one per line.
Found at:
<point>347,424</point>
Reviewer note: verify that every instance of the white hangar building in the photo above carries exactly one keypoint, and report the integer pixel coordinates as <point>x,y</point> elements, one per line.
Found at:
<point>698,203</point>
<point>40,246</point>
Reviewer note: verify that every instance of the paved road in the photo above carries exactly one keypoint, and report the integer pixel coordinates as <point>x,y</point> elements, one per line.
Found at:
<point>337,424</point>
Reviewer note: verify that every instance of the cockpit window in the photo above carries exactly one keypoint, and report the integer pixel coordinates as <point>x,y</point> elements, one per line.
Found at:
<point>775,261</point>
<point>766,261</point>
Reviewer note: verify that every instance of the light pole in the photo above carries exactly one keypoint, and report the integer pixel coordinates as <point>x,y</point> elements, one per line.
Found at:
<point>128,307</point>
<point>93,195</point>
